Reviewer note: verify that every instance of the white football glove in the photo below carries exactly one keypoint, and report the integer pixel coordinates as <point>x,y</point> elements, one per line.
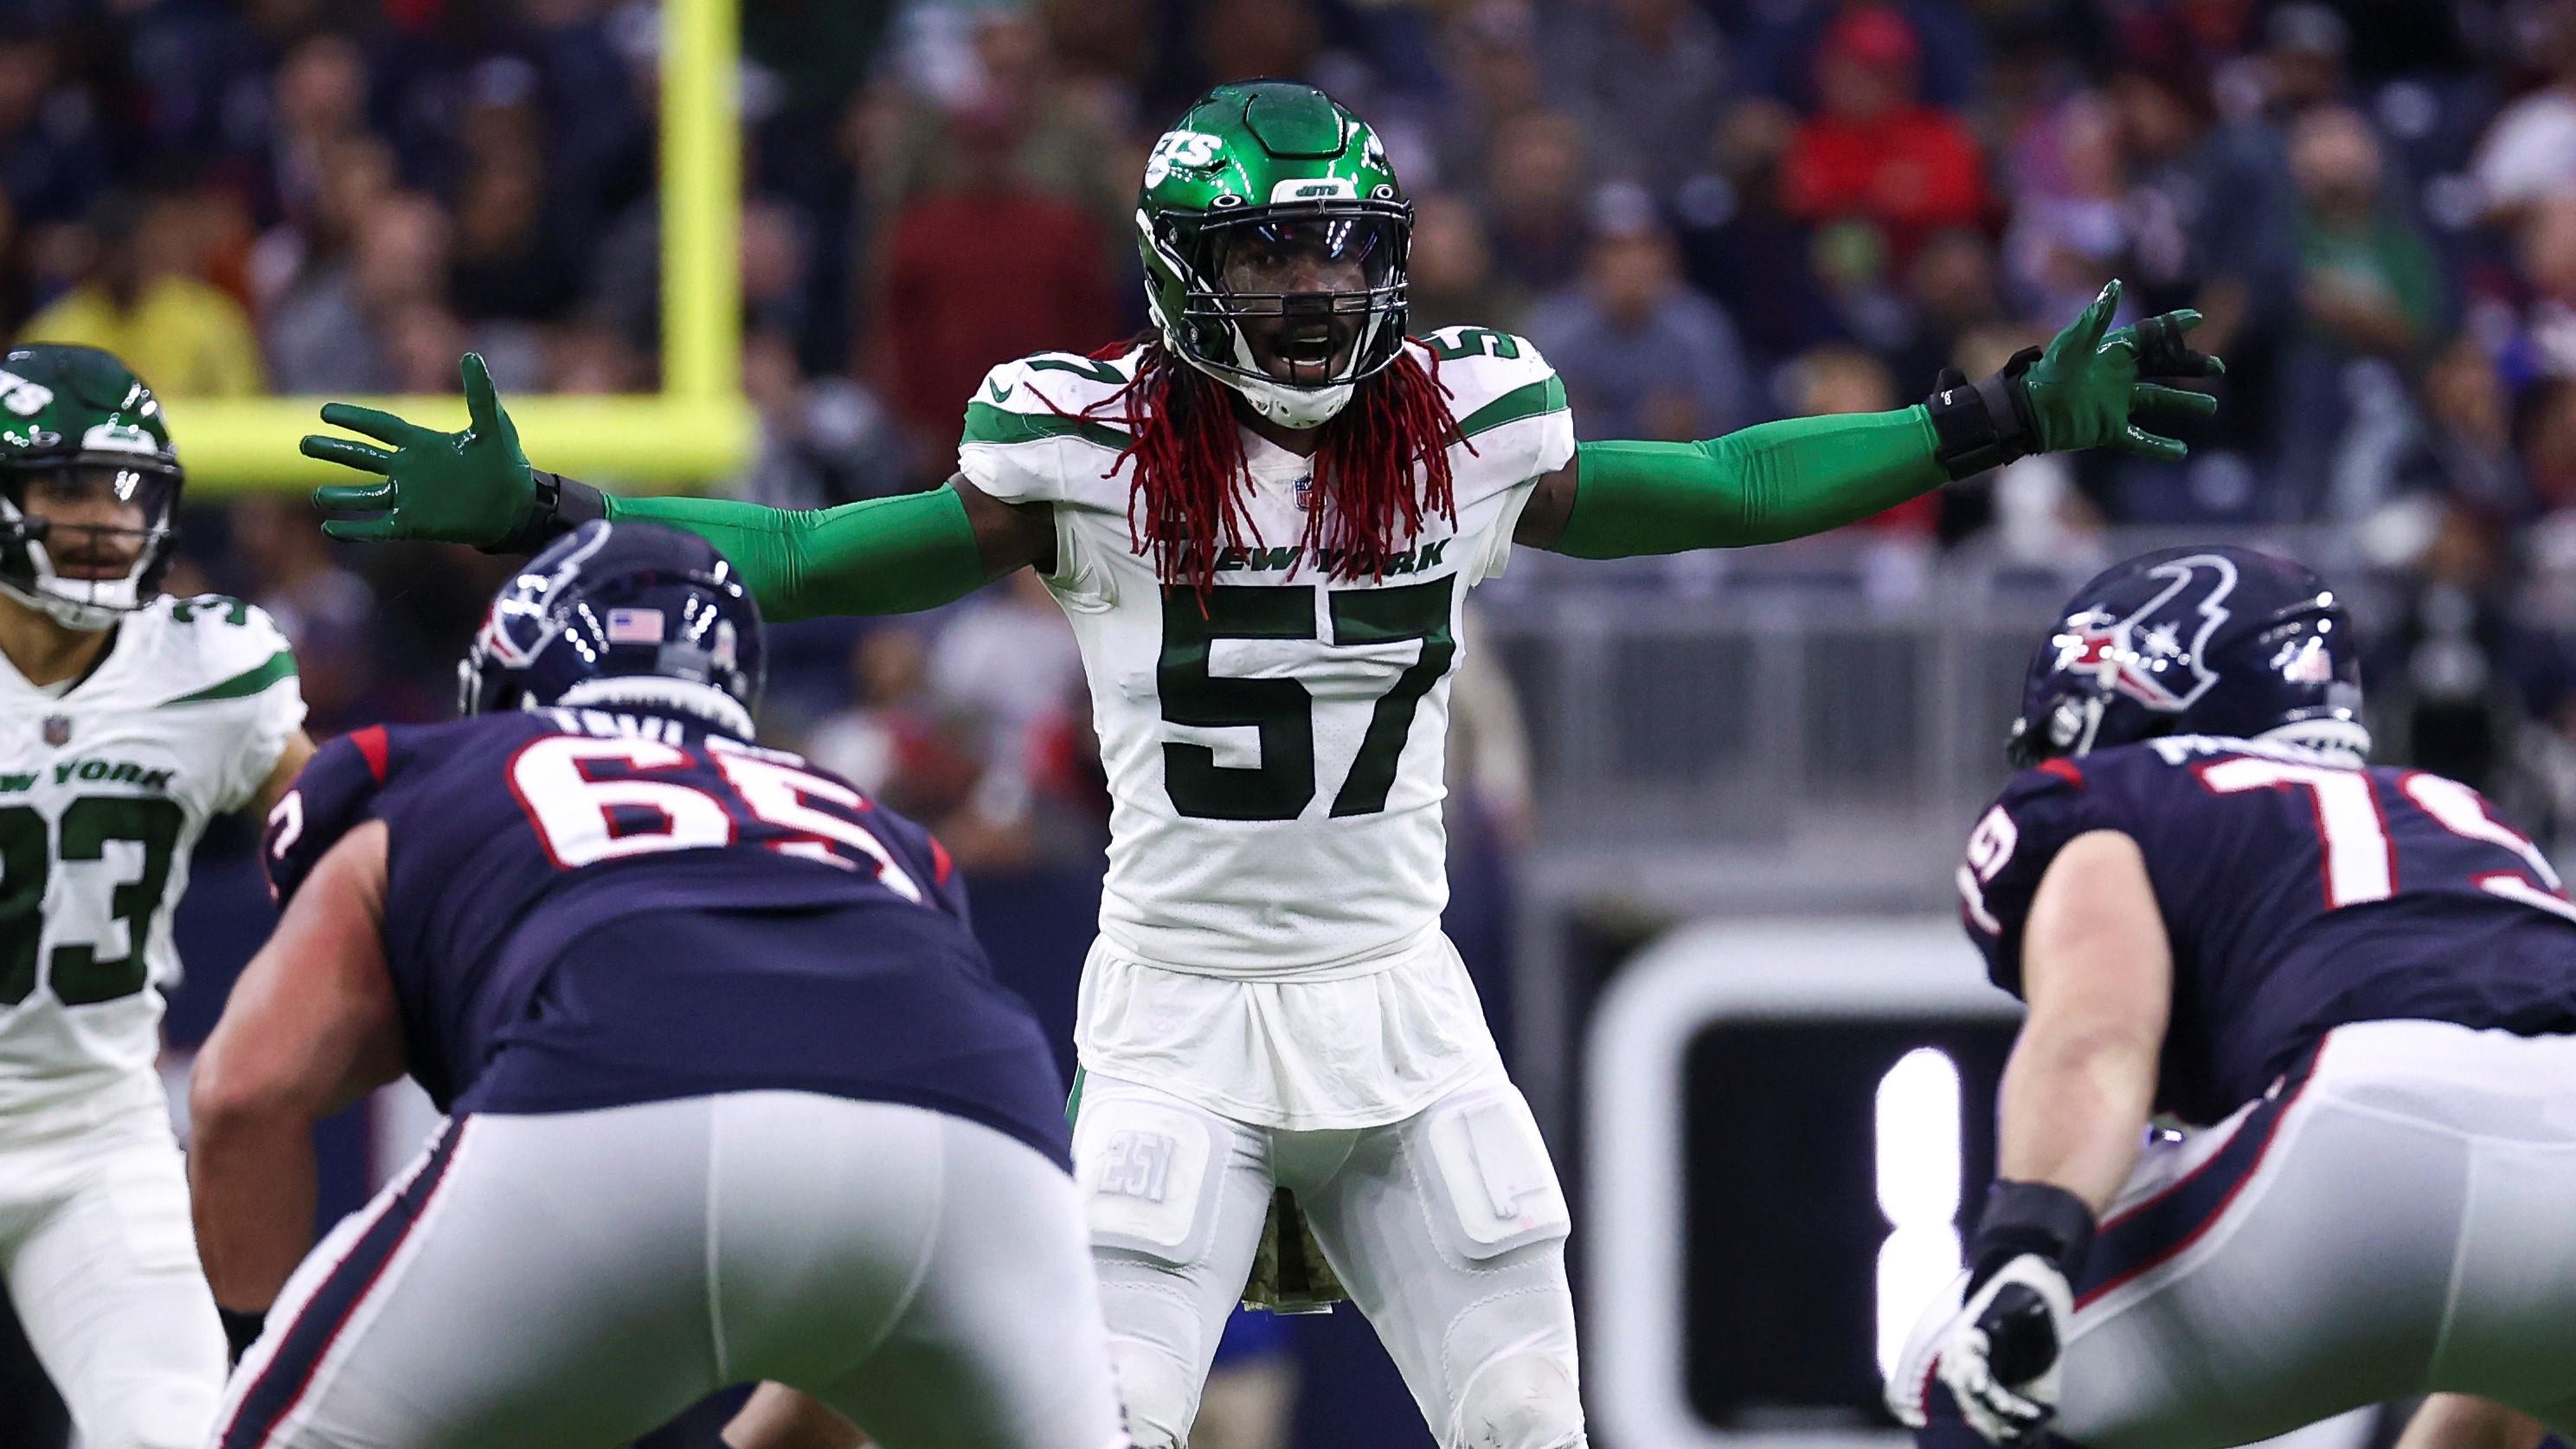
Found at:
<point>2000,1354</point>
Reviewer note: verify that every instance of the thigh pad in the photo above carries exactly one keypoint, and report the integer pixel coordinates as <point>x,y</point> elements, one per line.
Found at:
<point>1150,1173</point>
<point>1484,1159</point>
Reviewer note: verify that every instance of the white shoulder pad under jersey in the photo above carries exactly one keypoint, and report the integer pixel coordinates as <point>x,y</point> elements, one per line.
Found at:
<point>1049,429</point>
<point>104,792</point>
<point>1274,749</point>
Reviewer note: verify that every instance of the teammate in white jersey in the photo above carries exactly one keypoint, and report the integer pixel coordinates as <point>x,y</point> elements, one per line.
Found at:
<point>127,721</point>
<point>1262,518</point>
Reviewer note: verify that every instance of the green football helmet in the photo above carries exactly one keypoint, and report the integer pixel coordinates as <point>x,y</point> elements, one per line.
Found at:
<point>89,485</point>
<point>1274,238</point>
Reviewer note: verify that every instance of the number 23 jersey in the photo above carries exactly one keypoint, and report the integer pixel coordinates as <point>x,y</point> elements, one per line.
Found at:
<point>104,791</point>
<point>2298,894</point>
<point>1275,754</point>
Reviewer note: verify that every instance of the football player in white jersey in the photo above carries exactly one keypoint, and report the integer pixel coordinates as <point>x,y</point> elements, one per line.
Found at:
<point>128,719</point>
<point>1262,518</point>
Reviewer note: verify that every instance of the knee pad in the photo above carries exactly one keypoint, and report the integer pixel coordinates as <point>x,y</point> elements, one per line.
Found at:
<point>1159,1392</point>
<point>1520,1401</point>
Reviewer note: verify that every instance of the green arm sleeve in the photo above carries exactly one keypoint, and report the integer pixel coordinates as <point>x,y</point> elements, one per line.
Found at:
<point>1761,484</point>
<point>884,556</point>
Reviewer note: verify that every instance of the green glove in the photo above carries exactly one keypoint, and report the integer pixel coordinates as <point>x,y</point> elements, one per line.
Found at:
<point>473,487</point>
<point>2084,390</point>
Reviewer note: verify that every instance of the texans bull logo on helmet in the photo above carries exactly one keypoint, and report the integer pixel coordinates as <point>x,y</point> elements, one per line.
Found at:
<point>620,613</point>
<point>2155,655</point>
<point>2215,640</point>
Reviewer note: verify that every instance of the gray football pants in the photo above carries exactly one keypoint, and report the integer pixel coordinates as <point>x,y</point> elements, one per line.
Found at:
<point>575,1279</point>
<point>1448,1229</point>
<point>2400,1220</point>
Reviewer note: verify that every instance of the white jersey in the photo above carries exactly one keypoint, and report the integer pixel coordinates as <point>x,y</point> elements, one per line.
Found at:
<point>1275,759</point>
<point>104,791</point>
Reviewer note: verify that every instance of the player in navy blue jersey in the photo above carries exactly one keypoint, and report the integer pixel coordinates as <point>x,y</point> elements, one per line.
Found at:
<point>731,1091</point>
<point>2354,984</point>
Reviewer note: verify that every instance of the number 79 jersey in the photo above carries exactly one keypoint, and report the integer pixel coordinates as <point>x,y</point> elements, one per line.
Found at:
<point>1274,751</point>
<point>104,791</point>
<point>2298,895</point>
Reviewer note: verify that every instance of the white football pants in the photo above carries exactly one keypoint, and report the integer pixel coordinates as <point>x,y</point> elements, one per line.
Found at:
<point>102,1268</point>
<point>1447,1228</point>
<point>571,1280</point>
<point>2400,1221</point>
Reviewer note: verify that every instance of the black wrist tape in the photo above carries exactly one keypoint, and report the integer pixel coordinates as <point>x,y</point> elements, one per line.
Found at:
<point>2030,1217</point>
<point>559,506</point>
<point>1986,424</point>
<point>241,1330</point>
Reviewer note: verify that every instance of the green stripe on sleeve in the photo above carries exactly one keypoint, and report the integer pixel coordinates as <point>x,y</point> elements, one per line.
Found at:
<point>986,423</point>
<point>280,665</point>
<point>1530,400</point>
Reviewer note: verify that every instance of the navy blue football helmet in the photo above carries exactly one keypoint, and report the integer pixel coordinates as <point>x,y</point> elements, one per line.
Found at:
<point>2195,641</point>
<point>624,615</point>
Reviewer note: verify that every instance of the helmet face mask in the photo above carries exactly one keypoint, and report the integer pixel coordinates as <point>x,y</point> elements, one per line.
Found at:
<point>89,486</point>
<point>88,542</point>
<point>1274,240</point>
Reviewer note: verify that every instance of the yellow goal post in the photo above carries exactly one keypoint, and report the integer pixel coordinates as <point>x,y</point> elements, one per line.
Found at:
<point>698,428</point>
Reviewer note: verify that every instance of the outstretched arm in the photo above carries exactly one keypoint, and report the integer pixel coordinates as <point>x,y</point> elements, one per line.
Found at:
<point>883,556</point>
<point>1789,479</point>
<point>1762,484</point>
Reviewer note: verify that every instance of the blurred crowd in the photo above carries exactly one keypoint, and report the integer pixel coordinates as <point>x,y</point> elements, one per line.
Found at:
<point>1706,212</point>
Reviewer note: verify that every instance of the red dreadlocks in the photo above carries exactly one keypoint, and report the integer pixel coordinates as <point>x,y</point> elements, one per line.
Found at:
<point>1191,478</point>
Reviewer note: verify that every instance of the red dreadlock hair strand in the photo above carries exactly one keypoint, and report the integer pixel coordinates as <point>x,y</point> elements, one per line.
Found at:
<point>1185,500</point>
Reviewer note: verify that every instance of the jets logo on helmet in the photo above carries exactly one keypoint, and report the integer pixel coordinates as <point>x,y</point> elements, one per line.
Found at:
<point>2215,641</point>
<point>1194,150</point>
<point>22,397</point>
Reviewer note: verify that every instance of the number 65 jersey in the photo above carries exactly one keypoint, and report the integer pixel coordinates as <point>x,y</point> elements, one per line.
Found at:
<point>794,936</point>
<point>1274,752</point>
<point>2299,894</point>
<point>104,791</point>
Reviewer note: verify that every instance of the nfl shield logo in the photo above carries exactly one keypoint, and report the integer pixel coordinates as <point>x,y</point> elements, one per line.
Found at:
<point>1305,492</point>
<point>58,729</point>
